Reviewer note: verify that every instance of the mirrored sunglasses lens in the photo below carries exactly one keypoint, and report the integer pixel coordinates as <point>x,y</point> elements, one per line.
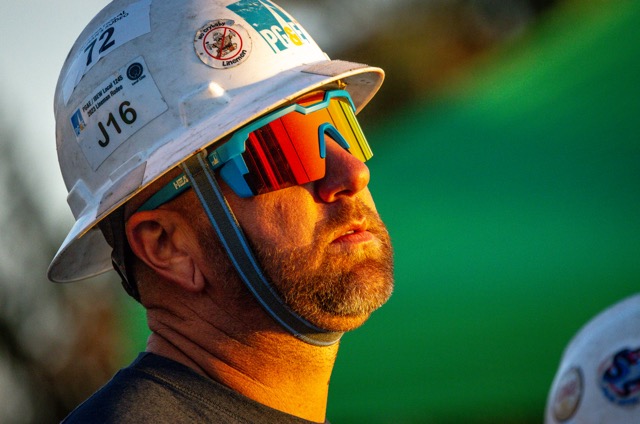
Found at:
<point>286,151</point>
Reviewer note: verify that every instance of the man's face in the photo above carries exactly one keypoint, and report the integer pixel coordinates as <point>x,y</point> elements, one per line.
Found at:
<point>322,245</point>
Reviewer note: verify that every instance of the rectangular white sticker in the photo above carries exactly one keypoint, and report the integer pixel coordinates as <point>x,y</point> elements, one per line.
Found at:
<point>119,29</point>
<point>115,110</point>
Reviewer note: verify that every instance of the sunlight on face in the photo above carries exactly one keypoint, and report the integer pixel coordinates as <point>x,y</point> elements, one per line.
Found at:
<point>331,263</point>
<point>334,287</point>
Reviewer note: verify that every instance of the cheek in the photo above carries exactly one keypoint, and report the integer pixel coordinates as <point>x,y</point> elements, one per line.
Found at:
<point>282,219</point>
<point>291,224</point>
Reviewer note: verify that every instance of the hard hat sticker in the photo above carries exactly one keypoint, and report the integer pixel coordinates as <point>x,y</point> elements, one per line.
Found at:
<point>277,28</point>
<point>115,110</point>
<point>568,394</point>
<point>119,29</point>
<point>222,44</point>
<point>620,377</point>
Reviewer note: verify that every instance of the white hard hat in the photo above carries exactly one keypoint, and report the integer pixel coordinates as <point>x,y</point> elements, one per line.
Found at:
<point>149,83</point>
<point>599,377</point>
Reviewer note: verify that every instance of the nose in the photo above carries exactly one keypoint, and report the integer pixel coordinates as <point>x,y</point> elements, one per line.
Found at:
<point>345,175</point>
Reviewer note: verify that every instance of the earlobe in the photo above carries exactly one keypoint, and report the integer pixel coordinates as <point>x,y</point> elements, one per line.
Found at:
<point>158,238</point>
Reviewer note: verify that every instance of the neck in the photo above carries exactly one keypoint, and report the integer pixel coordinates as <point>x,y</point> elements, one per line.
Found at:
<point>267,365</point>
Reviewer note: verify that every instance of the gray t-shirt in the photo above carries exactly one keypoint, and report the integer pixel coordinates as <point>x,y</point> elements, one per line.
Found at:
<point>154,389</point>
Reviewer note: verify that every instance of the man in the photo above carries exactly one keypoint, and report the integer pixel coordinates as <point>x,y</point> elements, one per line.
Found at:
<point>212,155</point>
<point>598,380</point>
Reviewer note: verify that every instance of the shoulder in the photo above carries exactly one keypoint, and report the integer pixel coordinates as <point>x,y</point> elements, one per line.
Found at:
<point>153,389</point>
<point>157,390</point>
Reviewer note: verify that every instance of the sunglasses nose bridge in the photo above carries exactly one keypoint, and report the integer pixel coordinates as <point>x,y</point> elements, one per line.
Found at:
<point>328,129</point>
<point>322,143</point>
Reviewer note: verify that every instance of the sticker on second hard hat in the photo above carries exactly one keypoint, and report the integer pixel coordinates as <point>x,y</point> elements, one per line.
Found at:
<point>115,110</point>
<point>567,394</point>
<point>222,44</point>
<point>620,377</point>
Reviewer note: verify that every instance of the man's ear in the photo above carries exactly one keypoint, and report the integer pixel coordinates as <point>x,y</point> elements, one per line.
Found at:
<point>161,240</point>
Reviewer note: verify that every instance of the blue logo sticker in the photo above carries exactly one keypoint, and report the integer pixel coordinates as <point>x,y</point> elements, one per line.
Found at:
<point>77,121</point>
<point>278,29</point>
<point>620,381</point>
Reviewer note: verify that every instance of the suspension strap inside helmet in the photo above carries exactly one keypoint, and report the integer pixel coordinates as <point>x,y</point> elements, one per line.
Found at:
<point>199,172</point>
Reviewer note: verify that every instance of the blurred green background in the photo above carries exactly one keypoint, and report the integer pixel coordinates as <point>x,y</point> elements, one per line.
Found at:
<point>507,169</point>
<point>513,200</point>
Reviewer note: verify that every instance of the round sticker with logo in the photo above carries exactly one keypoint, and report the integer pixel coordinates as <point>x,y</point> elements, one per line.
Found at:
<point>222,44</point>
<point>620,377</point>
<point>567,395</point>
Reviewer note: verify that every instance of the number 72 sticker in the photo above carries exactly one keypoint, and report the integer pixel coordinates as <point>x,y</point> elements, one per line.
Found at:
<point>119,29</point>
<point>115,110</point>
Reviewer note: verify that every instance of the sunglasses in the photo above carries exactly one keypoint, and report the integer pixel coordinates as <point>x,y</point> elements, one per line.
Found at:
<point>284,148</point>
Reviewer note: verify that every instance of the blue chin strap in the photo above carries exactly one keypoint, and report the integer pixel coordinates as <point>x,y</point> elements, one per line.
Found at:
<point>201,176</point>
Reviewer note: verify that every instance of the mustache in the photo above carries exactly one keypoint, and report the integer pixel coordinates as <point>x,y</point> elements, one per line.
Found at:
<point>353,211</point>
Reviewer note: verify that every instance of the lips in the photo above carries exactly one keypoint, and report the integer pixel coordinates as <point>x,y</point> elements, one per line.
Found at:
<point>354,232</point>
<point>352,223</point>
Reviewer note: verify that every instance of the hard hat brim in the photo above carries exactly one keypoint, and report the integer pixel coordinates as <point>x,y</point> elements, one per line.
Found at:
<point>85,253</point>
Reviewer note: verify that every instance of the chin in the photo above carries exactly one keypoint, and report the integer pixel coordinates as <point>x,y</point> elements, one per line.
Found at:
<point>348,316</point>
<point>341,323</point>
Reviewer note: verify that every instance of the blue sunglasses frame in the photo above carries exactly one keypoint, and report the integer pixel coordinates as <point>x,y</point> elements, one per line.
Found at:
<point>228,157</point>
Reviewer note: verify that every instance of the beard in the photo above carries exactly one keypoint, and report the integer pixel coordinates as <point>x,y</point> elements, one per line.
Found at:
<point>333,288</point>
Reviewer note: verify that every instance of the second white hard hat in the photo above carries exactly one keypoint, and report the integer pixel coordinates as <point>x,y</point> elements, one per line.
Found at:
<point>598,380</point>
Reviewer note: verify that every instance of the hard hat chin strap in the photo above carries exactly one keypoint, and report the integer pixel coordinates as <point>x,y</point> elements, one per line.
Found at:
<point>113,229</point>
<point>230,234</point>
